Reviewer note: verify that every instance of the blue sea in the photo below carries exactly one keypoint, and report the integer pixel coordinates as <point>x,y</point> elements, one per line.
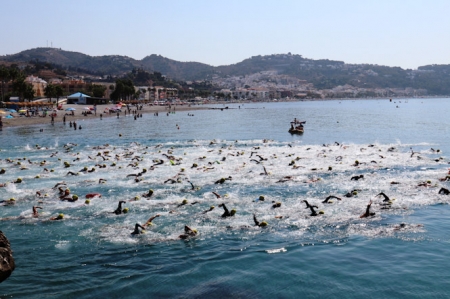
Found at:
<point>91,252</point>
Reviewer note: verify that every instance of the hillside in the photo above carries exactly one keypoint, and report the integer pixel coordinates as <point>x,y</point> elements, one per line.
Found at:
<point>323,74</point>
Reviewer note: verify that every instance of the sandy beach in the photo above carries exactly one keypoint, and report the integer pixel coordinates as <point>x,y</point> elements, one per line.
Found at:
<point>78,114</point>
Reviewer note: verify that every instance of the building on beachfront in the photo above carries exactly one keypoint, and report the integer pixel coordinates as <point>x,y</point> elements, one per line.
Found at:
<point>38,84</point>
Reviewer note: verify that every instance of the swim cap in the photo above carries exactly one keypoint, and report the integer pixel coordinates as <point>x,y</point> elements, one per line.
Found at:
<point>12,199</point>
<point>125,210</point>
<point>212,207</point>
<point>19,180</point>
<point>87,201</point>
<point>182,169</point>
<point>429,182</point>
<point>18,163</point>
<point>137,197</point>
<point>60,216</point>
<point>185,201</point>
<point>233,211</point>
<point>85,168</point>
<point>321,212</point>
<point>38,176</point>
<point>264,223</point>
<point>355,192</point>
<point>195,231</point>
<point>75,197</point>
<point>52,170</point>
<point>261,198</point>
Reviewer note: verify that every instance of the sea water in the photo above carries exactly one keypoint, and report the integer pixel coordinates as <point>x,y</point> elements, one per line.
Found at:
<point>337,254</point>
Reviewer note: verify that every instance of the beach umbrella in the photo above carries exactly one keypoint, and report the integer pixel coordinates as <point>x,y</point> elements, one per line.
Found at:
<point>22,111</point>
<point>86,108</point>
<point>71,109</point>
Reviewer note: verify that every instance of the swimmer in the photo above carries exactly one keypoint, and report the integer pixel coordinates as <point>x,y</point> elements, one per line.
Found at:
<point>64,193</point>
<point>404,225</point>
<point>285,179</point>
<point>59,184</point>
<point>367,213</point>
<point>330,197</point>
<point>276,204</point>
<point>357,177</point>
<point>257,223</point>
<point>386,198</point>
<point>35,212</point>
<point>227,213</point>
<point>71,173</point>
<point>192,185</point>
<point>149,221</point>
<point>424,184</point>
<point>313,212</point>
<point>352,193</point>
<point>222,180</point>
<point>184,202</point>
<point>210,209</point>
<point>118,211</point>
<point>148,194</point>
<point>100,181</point>
<point>265,171</point>
<point>216,194</point>
<point>136,229</point>
<point>444,191</point>
<point>188,232</point>
<point>59,217</point>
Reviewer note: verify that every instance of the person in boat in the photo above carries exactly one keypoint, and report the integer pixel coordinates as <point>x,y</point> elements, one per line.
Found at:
<point>367,213</point>
<point>188,232</point>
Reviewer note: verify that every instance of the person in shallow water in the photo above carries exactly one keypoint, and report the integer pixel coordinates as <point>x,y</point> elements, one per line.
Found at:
<point>188,232</point>
<point>367,213</point>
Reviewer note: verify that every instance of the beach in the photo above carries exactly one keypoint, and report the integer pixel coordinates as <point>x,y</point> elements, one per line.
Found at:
<point>78,114</point>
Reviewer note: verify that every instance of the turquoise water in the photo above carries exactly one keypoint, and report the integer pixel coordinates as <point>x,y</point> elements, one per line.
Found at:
<point>92,253</point>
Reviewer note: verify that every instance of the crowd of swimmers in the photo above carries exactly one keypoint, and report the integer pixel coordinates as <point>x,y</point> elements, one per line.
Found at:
<point>66,195</point>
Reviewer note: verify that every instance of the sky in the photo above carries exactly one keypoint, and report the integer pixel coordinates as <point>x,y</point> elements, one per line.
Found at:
<point>404,33</point>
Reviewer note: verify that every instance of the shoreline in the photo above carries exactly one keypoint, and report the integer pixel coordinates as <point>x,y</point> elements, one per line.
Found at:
<point>36,120</point>
<point>19,121</point>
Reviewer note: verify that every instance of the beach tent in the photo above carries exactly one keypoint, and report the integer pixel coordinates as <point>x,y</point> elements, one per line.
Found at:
<point>77,98</point>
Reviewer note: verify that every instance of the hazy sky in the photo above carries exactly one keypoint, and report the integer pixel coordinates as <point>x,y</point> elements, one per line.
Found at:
<point>405,33</point>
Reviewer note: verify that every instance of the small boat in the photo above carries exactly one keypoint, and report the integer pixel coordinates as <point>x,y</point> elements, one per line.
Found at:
<point>296,127</point>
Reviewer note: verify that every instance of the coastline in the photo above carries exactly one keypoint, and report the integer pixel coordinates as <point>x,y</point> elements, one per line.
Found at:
<point>18,121</point>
